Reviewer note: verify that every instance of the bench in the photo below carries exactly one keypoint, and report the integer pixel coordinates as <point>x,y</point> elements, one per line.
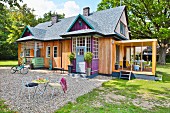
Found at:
<point>59,68</point>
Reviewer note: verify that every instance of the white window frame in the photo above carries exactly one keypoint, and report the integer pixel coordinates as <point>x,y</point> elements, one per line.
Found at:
<point>56,52</point>
<point>96,50</point>
<point>47,51</point>
<point>77,43</point>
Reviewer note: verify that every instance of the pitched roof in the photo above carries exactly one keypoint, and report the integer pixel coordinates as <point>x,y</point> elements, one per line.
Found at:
<point>104,22</point>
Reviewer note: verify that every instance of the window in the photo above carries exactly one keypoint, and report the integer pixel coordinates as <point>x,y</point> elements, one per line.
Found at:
<point>27,52</point>
<point>55,51</point>
<point>96,47</point>
<point>122,28</point>
<point>81,41</point>
<point>88,44</point>
<point>48,52</point>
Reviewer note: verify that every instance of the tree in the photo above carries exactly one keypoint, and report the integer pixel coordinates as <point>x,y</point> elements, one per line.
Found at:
<point>18,19</point>
<point>148,19</point>
<point>47,17</point>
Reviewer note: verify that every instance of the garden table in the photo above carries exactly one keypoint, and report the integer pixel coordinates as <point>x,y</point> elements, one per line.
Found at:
<point>41,81</point>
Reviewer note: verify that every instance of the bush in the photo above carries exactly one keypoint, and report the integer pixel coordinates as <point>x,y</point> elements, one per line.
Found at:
<point>88,58</point>
<point>71,57</point>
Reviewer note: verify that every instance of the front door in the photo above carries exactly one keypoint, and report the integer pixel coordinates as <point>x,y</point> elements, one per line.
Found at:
<point>80,63</point>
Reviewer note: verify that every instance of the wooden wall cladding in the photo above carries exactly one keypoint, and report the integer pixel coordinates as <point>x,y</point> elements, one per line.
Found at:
<point>66,50</point>
<point>105,55</point>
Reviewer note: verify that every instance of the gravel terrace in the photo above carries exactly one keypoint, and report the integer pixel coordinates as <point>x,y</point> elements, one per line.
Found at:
<point>11,87</point>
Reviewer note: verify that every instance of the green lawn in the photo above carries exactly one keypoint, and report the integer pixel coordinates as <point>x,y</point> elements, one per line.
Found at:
<point>4,108</point>
<point>123,96</point>
<point>4,63</point>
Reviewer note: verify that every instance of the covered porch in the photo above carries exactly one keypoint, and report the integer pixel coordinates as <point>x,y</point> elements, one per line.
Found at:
<point>31,52</point>
<point>136,56</point>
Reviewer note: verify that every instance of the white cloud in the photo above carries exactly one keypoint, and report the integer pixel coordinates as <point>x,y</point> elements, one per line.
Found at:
<point>69,8</point>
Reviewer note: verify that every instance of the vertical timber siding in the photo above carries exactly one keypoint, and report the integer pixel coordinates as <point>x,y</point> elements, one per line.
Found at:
<point>66,50</point>
<point>57,60</point>
<point>113,55</point>
<point>105,55</point>
<point>19,52</point>
<point>46,60</point>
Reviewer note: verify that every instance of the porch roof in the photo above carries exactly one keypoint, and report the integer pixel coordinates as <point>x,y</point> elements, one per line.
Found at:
<point>28,38</point>
<point>80,32</point>
<point>137,43</point>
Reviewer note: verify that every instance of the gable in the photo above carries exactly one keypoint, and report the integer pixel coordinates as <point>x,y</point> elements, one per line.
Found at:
<point>26,32</point>
<point>122,20</point>
<point>80,23</point>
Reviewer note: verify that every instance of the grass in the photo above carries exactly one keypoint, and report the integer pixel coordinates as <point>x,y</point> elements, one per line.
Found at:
<point>107,98</point>
<point>119,96</point>
<point>4,63</point>
<point>4,108</point>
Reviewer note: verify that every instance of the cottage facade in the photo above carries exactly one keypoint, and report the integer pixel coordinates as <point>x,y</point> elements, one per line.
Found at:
<point>94,32</point>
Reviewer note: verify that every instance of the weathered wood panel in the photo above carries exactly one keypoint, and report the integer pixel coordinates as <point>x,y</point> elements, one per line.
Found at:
<point>113,55</point>
<point>105,55</point>
<point>19,52</point>
<point>32,52</point>
<point>66,50</point>
<point>57,60</point>
<point>46,60</point>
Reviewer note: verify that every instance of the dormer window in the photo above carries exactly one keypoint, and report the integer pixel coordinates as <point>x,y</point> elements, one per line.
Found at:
<point>80,23</point>
<point>122,28</point>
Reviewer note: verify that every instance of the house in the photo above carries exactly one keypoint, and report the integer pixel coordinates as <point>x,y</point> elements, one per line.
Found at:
<point>103,33</point>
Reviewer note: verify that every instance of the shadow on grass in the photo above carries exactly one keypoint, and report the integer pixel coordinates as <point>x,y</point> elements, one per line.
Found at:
<point>124,89</point>
<point>166,76</point>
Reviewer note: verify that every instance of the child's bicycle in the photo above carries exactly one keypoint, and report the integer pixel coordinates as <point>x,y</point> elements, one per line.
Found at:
<point>21,68</point>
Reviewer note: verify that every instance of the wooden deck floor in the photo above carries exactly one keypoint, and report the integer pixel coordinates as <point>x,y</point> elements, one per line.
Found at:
<point>147,71</point>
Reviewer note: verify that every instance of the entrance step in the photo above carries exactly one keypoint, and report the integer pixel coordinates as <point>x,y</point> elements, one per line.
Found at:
<point>125,75</point>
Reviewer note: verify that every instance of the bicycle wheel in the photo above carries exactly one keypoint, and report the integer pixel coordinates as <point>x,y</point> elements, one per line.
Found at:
<point>24,70</point>
<point>13,69</point>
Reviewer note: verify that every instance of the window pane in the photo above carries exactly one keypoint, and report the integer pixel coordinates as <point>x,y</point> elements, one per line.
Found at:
<point>95,48</point>
<point>55,52</point>
<point>48,52</point>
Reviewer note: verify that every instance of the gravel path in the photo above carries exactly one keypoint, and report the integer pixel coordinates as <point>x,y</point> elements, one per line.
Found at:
<point>17,98</point>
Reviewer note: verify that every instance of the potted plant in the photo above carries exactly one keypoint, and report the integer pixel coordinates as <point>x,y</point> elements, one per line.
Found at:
<point>116,65</point>
<point>88,59</point>
<point>71,58</point>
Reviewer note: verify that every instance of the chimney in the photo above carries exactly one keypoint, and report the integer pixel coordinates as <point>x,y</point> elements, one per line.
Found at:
<point>54,19</point>
<point>86,11</point>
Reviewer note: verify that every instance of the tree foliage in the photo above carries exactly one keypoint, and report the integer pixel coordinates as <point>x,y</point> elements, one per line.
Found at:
<point>147,19</point>
<point>14,18</point>
<point>47,17</point>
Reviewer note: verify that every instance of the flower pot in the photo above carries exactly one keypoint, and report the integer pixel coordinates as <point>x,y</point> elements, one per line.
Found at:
<point>116,66</point>
<point>70,68</point>
<point>88,71</point>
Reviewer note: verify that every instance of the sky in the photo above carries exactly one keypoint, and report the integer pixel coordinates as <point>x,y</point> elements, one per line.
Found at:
<point>68,7</point>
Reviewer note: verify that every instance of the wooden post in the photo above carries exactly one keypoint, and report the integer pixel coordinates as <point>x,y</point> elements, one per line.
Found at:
<point>134,54</point>
<point>113,55</point>
<point>122,55</point>
<point>141,57</point>
<point>153,57</point>
<point>130,56</point>
<point>35,49</point>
